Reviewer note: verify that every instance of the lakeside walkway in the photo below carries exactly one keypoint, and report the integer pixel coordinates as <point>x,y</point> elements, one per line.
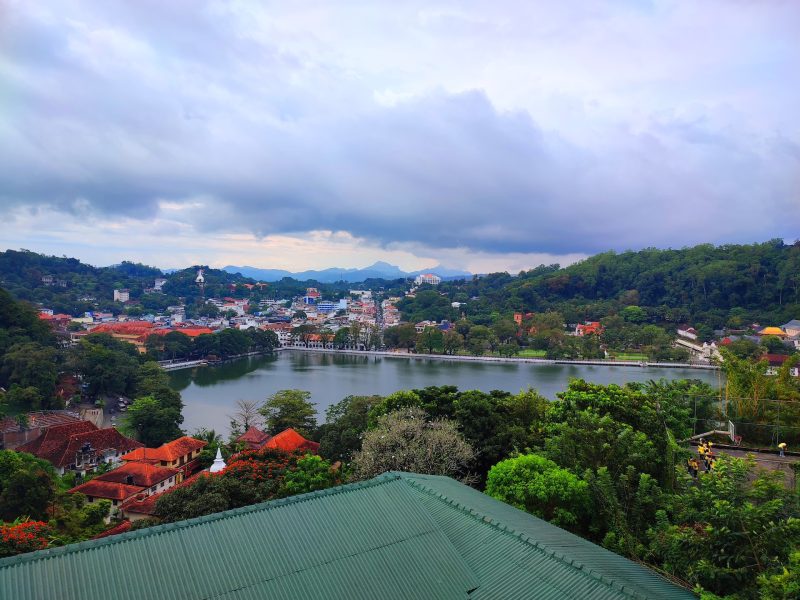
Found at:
<point>502,359</point>
<point>190,364</point>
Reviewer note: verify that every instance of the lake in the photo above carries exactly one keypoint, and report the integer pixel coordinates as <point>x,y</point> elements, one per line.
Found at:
<point>210,393</point>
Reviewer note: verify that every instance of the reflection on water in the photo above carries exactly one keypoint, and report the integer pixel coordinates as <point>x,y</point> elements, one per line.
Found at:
<point>210,393</point>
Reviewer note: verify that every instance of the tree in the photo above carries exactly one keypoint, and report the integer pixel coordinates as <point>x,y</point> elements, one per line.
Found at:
<point>25,536</point>
<point>537,485</point>
<point>452,342</point>
<point>289,408</point>
<point>26,485</point>
<point>736,524</point>
<point>31,365</point>
<point>505,330</point>
<point>312,473</point>
<point>480,339</point>
<point>107,366</point>
<point>152,423</point>
<point>345,423</point>
<point>430,340</point>
<point>341,338</point>
<point>404,441</point>
<point>400,336</point>
<point>246,416</point>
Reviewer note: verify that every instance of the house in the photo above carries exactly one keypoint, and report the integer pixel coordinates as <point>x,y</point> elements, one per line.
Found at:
<point>399,535</point>
<point>775,331</point>
<point>428,278</point>
<point>588,328</point>
<point>253,438</point>
<point>13,435</point>
<point>792,328</point>
<point>181,454</point>
<point>143,506</point>
<point>287,440</point>
<point>687,332</point>
<point>79,447</point>
<point>129,480</point>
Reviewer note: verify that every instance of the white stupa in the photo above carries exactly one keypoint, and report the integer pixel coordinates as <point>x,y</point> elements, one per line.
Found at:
<point>200,278</point>
<point>219,463</point>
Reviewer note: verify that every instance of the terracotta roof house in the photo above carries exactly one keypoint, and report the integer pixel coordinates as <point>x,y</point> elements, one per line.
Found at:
<point>12,435</point>
<point>79,447</point>
<point>397,536</point>
<point>588,328</point>
<point>289,441</point>
<point>143,506</point>
<point>179,454</point>
<point>127,481</point>
<point>253,438</point>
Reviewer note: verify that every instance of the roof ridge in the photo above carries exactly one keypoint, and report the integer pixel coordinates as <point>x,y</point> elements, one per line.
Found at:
<point>218,516</point>
<point>487,520</point>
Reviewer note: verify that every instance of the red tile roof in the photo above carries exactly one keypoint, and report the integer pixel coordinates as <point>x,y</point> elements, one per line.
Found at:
<point>54,437</point>
<point>41,419</point>
<point>168,452</point>
<point>121,528</point>
<point>190,331</point>
<point>143,474</point>
<point>289,440</point>
<point>143,504</point>
<point>107,489</point>
<point>61,443</point>
<point>253,436</point>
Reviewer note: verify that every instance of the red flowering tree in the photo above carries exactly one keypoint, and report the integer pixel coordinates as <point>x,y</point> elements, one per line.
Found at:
<point>17,538</point>
<point>251,476</point>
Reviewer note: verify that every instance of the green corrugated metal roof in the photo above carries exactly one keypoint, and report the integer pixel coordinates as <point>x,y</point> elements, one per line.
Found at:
<point>399,535</point>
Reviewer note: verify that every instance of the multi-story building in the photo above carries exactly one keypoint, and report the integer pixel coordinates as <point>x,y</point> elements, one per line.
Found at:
<point>122,295</point>
<point>428,278</point>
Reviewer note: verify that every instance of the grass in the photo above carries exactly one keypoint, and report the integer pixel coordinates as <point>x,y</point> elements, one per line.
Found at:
<point>528,353</point>
<point>629,356</point>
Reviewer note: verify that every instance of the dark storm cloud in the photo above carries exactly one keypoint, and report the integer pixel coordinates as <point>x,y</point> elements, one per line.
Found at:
<point>117,109</point>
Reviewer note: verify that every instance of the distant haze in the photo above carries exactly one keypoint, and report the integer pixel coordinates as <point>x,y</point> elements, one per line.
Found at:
<point>379,270</point>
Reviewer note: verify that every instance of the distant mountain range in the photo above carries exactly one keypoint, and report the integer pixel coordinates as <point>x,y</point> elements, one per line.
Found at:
<point>380,270</point>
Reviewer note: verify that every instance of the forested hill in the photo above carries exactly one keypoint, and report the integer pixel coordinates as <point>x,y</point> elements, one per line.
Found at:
<point>722,285</point>
<point>69,286</point>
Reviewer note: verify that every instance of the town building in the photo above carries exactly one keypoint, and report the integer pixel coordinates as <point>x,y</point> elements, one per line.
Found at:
<point>312,296</point>
<point>428,278</point>
<point>181,454</point>
<point>588,328</point>
<point>122,295</point>
<point>80,447</point>
<point>14,434</point>
<point>792,328</point>
<point>127,481</point>
<point>687,332</point>
<point>399,535</point>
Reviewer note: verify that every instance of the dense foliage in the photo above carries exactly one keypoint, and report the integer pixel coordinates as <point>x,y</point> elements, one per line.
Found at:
<point>717,286</point>
<point>252,476</point>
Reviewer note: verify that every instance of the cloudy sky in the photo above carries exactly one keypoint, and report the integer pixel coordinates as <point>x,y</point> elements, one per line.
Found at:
<point>487,136</point>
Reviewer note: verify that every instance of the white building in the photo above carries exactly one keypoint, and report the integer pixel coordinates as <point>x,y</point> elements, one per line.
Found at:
<point>428,278</point>
<point>122,295</point>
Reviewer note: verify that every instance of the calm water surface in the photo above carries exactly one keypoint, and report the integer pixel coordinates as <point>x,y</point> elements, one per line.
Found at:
<point>210,393</point>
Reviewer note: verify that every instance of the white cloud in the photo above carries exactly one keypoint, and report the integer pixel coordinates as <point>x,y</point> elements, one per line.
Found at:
<point>520,130</point>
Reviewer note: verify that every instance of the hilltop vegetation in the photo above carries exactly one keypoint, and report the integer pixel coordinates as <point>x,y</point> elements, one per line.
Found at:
<point>717,286</point>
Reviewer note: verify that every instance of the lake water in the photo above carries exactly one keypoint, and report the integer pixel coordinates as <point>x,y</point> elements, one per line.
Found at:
<point>210,393</point>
